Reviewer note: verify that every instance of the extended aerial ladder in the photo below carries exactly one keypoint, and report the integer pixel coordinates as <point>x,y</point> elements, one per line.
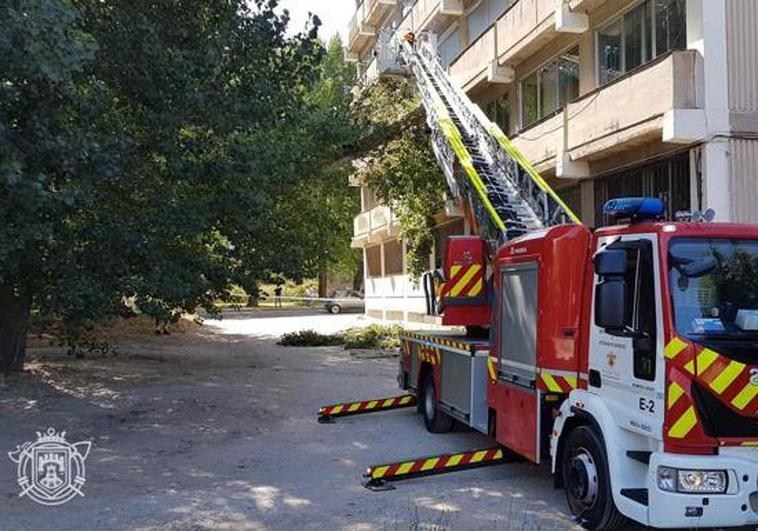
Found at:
<point>507,196</point>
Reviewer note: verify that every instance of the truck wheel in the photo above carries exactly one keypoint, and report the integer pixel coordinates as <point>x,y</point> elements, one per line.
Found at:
<point>436,421</point>
<point>587,483</point>
<point>334,309</point>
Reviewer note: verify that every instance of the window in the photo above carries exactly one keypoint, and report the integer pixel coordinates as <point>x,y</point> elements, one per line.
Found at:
<point>478,21</point>
<point>572,196</point>
<point>393,258</point>
<point>449,47</point>
<point>374,261</point>
<point>369,198</point>
<point>651,29</point>
<point>550,87</point>
<point>499,111</point>
<point>668,179</point>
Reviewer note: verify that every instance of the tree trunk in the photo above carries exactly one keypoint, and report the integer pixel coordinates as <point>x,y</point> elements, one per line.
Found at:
<point>14,322</point>
<point>322,284</point>
<point>358,277</point>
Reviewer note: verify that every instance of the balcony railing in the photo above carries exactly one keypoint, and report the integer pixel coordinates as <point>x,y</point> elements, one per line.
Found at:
<point>525,28</point>
<point>378,221</point>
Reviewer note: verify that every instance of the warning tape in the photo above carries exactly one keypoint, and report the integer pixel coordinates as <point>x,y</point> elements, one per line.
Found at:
<point>326,413</point>
<point>309,299</point>
<point>377,475</point>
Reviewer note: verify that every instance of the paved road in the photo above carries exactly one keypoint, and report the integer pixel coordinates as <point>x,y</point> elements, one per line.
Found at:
<point>217,430</point>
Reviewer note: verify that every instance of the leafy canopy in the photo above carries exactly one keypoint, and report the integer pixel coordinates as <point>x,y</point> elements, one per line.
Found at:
<point>155,153</point>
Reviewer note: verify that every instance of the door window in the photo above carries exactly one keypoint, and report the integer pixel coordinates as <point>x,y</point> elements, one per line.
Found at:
<point>639,312</point>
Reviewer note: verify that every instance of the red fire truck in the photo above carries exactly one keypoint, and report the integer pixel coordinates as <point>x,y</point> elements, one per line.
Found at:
<point>627,356</point>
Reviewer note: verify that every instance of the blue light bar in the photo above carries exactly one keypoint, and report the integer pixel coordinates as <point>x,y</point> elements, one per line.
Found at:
<point>635,208</point>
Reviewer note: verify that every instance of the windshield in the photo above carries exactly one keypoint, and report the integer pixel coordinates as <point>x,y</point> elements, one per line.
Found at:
<point>714,288</point>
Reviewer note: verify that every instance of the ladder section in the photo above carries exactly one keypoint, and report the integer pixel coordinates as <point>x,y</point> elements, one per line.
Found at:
<point>508,197</point>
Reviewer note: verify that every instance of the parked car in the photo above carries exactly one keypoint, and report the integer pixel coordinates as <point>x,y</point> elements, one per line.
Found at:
<point>341,301</point>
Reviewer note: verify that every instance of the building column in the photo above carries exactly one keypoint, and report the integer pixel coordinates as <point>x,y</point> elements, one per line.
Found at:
<point>706,34</point>
<point>587,193</point>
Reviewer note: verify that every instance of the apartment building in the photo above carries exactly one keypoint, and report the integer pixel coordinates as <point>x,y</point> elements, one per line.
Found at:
<point>606,98</point>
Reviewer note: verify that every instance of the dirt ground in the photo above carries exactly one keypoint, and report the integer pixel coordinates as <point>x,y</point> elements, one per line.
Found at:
<point>215,428</point>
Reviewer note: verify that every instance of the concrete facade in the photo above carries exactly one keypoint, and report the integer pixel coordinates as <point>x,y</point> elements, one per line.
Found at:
<point>605,97</point>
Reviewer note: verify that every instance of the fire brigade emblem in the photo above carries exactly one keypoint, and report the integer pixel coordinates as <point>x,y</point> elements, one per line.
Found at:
<point>50,469</point>
<point>611,359</point>
<point>754,376</point>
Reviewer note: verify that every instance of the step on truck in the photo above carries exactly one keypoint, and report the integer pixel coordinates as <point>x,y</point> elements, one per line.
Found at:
<point>627,358</point>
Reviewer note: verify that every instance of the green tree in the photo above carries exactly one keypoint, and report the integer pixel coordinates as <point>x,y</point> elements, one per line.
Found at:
<point>399,165</point>
<point>145,149</point>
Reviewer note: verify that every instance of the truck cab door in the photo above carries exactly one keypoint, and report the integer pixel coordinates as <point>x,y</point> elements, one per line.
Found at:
<point>626,332</point>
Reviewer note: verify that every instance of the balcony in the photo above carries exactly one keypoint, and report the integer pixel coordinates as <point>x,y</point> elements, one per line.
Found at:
<point>657,102</point>
<point>376,10</point>
<point>477,65</point>
<point>524,29</point>
<point>374,225</point>
<point>433,15</point>
<point>359,34</point>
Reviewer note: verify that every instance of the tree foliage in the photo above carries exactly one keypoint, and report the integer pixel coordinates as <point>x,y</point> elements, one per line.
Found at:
<point>155,153</point>
<point>402,169</point>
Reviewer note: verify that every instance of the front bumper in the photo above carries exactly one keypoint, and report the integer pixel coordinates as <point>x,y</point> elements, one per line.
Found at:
<point>738,507</point>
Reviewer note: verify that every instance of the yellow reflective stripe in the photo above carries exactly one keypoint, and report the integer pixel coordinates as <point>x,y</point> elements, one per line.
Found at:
<point>430,463</point>
<point>675,393</point>
<point>372,404</point>
<point>405,399</point>
<point>571,381</point>
<point>727,376</point>
<point>471,273</point>
<point>478,456</point>
<point>551,384</point>
<point>405,468</point>
<point>745,396</point>
<point>337,409</point>
<point>354,407</point>
<point>456,143</point>
<point>379,472</point>
<point>684,425</point>
<point>454,270</point>
<point>491,369</point>
<point>498,454</point>
<point>705,359</point>
<point>516,155</point>
<point>674,347</point>
<point>750,443</point>
<point>388,402</point>
<point>690,367</point>
<point>454,460</point>
<point>476,289</point>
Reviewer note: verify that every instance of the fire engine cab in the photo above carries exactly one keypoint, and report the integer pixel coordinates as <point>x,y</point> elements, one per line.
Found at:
<point>627,356</point>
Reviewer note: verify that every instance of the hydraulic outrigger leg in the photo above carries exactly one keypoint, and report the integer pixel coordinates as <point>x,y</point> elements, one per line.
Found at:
<point>327,413</point>
<point>378,476</point>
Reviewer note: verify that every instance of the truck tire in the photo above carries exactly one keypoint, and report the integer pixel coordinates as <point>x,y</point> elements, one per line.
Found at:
<point>334,309</point>
<point>584,468</point>
<point>436,421</point>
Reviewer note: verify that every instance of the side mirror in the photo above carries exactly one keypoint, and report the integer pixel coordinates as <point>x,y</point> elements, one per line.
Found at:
<point>610,262</point>
<point>610,304</point>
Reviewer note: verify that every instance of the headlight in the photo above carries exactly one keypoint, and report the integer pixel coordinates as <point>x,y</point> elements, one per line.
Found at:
<point>692,481</point>
<point>702,481</point>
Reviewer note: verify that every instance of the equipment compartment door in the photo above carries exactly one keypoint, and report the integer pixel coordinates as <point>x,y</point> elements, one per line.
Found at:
<point>518,321</point>
<point>517,421</point>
